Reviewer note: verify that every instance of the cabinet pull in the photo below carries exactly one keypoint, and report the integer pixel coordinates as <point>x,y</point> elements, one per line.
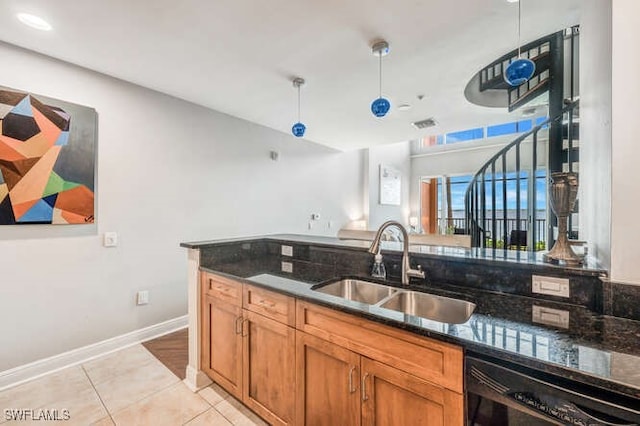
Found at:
<point>244,328</point>
<point>364,387</point>
<point>351,388</point>
<point>223,289</point>
<point>239,325</point>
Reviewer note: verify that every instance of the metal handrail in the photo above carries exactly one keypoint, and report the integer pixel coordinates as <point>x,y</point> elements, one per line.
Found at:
<point>472,202</point>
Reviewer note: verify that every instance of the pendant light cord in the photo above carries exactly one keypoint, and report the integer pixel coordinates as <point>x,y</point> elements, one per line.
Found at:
<point>519,23</point>
<point>380,75</point>
<point>298,103</point>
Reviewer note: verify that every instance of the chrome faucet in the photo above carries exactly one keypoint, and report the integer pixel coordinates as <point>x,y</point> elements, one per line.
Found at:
<point>406,267</point>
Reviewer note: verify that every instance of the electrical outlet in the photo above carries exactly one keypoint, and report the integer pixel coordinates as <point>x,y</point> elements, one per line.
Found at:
<point>550,285</point>
<point>110,239</point>
<point>549,316</point>
<point>142,298</point>
<point>286,250</point>
<point>287,267</point>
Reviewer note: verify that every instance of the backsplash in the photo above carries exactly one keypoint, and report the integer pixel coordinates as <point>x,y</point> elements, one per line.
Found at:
<point>622,300</point>
<point>316,263</point>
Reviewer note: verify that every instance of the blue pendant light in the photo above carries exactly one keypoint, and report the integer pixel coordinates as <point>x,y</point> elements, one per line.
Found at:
<point>380,106</point>
<point>522,69</point>
<point>298,129</point>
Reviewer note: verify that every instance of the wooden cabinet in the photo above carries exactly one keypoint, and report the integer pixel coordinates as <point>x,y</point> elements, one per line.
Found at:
<point>249,345</point>
<point>327,383</point>
<point>269,374</point>
<point>336,386</point>
<point>393,397</point>
<point>222,348</point>
<point>398,378</point>
<point>331,369</point>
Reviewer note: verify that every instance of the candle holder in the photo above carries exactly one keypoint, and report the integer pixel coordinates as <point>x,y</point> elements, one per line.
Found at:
<point>562,197</point>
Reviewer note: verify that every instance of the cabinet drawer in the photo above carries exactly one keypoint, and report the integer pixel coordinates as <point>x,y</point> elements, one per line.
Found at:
<point>272,305</point>
<point>434,361</point>
<point>222,288</point>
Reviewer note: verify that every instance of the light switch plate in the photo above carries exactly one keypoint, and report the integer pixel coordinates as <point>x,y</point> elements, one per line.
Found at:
<point>550,285</point>
<point>110,239</point>
<point>142,298</point>
<point>549,316</point>
<point>286,250</point>
<point>287,267</point>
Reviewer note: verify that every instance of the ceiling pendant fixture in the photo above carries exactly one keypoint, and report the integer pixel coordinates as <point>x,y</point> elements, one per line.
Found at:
<point>298,128</point>
<point>380,106</point>
<point>522,69</point>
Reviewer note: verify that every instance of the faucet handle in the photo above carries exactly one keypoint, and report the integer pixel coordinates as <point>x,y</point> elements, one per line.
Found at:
<point>416,273</point>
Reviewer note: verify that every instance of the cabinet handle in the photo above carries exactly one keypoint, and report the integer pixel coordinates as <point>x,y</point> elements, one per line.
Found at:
<point>364,387</point>
<point>239,325</point>
<point>351,388</point>
<point>244,328</point>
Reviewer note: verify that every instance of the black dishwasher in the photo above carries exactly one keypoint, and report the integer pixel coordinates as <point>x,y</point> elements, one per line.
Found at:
<point>500,393</point>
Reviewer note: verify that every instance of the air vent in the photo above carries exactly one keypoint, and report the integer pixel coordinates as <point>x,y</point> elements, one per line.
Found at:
<point>423,124</point>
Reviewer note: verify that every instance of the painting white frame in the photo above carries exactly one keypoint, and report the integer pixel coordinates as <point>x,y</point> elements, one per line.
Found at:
<point>390,186</point>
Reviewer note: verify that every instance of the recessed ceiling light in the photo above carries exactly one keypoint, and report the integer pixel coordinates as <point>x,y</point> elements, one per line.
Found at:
<point>512,1</point>
<point>34,21</point>
<point>404,107</point>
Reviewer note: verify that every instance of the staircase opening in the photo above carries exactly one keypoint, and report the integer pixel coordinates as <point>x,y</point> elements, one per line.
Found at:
<point>506,200</point>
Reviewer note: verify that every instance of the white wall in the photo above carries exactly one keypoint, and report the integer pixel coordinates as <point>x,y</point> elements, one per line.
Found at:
<point>398,156</point>
<point>625,172</point>
<point>168,171</point>
<point>595,128</point>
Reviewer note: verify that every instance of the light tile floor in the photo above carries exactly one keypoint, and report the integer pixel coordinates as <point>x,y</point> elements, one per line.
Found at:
<point>128,387</point>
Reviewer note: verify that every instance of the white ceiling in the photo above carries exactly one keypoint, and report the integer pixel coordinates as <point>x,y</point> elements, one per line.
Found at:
<point>238,56</point>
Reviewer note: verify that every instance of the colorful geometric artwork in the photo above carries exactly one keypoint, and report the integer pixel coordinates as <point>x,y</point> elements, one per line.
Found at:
<point>47,160</point>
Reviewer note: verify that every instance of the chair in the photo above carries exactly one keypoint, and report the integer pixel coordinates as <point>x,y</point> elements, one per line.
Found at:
<point>517,239</point>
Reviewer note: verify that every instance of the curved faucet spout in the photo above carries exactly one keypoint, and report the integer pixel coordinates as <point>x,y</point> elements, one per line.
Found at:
<point>406,268</point>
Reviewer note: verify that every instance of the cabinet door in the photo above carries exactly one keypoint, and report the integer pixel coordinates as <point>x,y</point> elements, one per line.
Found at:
<point>222,354</point>
<point>393,397</point>
<point>327,383</point>
<point>269,368</point>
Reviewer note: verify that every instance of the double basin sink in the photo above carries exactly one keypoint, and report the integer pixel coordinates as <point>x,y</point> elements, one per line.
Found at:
<point>416,303</point>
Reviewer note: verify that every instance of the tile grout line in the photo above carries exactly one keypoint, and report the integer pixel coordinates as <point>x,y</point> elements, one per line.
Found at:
<point>152,360</point>
<point>145,398</point>
<point>97,393</point>
<point>199,414</point>
<point>136,401</point>
<point>228,419</point>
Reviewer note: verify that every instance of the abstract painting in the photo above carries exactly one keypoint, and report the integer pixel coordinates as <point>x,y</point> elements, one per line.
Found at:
<point>47,160</point>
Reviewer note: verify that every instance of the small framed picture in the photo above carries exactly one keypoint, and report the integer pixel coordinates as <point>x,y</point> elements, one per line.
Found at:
<point>390,186</point>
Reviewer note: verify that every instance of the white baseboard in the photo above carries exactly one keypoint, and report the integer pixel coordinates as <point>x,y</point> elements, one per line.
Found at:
<point>27,372</point>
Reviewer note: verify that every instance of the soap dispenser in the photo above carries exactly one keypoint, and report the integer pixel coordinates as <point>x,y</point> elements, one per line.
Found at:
<point>378,270</point>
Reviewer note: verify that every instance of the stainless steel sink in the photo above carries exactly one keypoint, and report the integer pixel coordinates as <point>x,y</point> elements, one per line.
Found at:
<point>430,306</point>
<point>358,290</point>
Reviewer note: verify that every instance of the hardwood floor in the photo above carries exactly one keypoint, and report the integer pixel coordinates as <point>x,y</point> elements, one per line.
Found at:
<point>172,350</point>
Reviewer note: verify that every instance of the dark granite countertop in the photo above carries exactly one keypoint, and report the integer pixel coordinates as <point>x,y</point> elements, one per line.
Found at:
<point>596,350</point>
<point>481,256</point>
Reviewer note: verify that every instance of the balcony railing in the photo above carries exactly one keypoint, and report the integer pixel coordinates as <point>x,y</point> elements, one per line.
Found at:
<point>456,225</point>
